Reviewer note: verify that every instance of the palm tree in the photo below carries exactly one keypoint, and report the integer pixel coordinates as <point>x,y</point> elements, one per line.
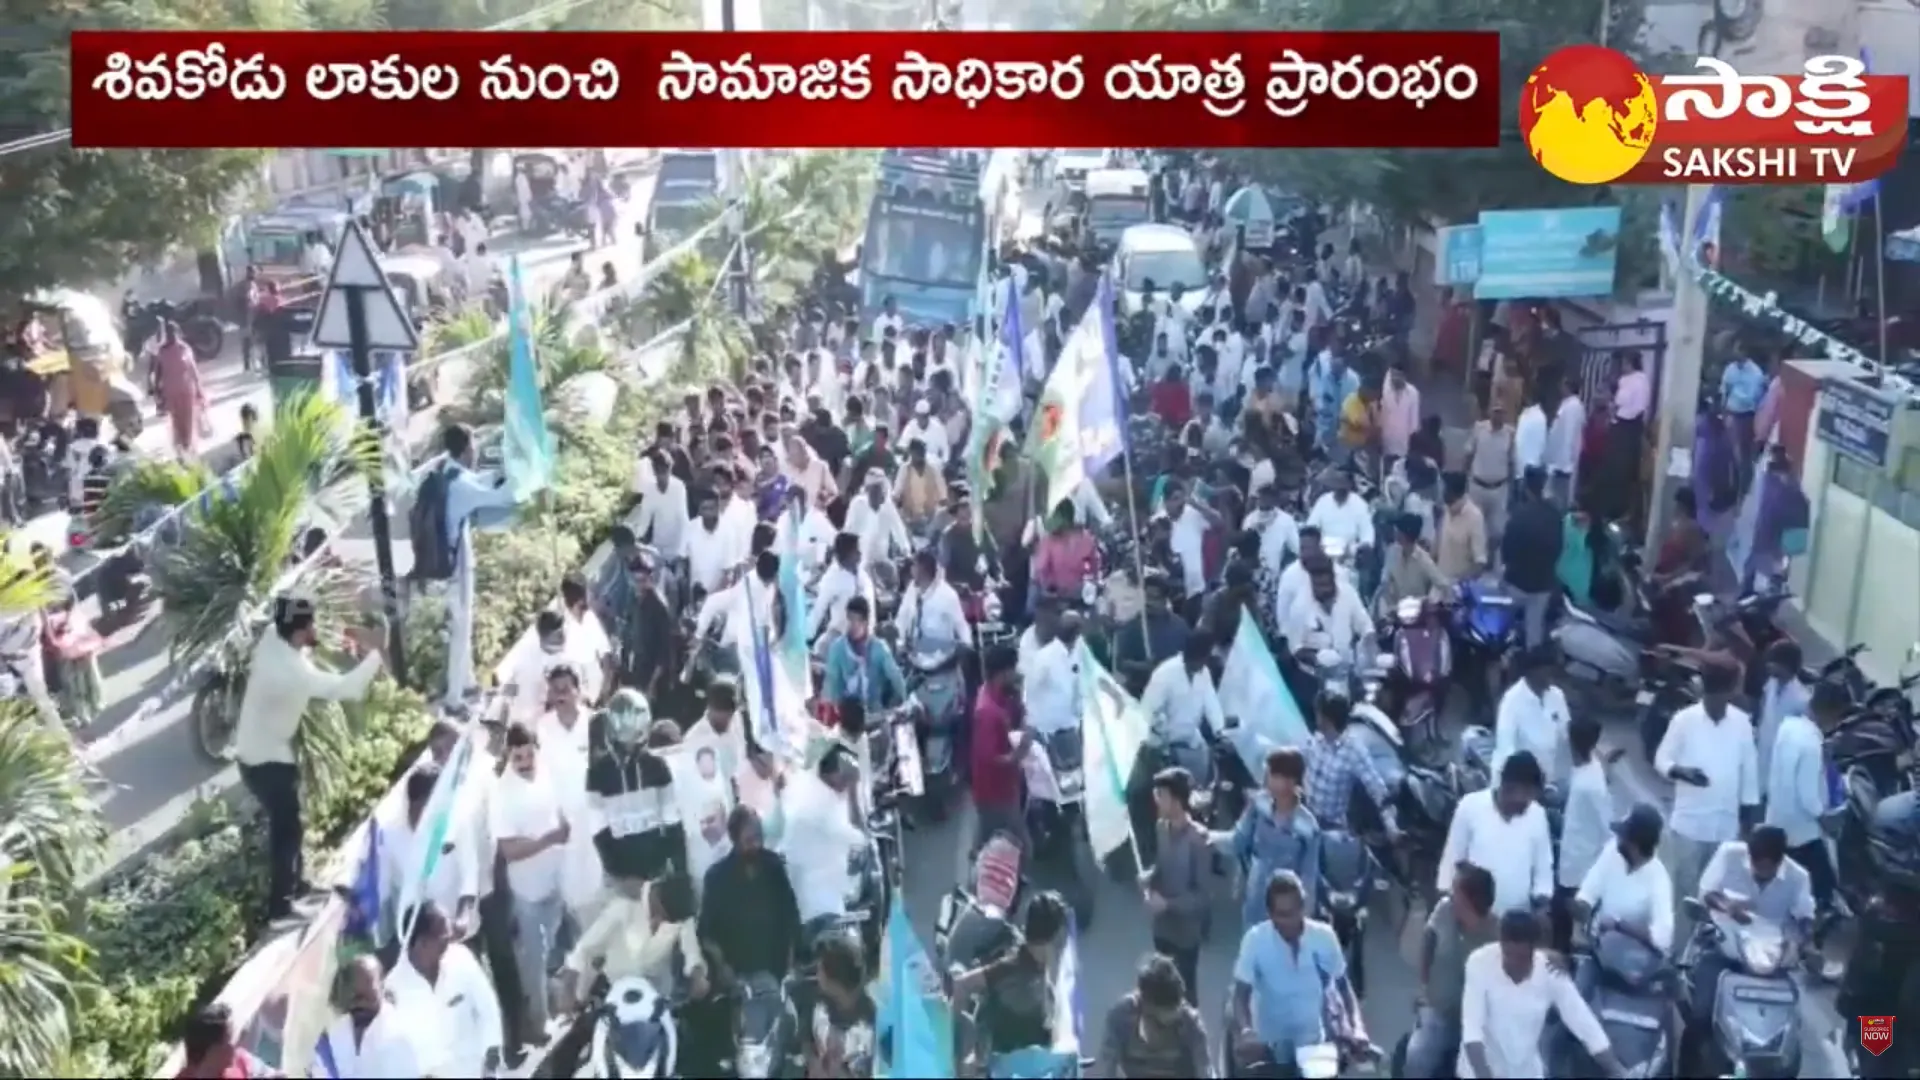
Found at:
<point>51,836</point>
<point>564,346</point>
<point>151,484</point>
<point>237,550</point>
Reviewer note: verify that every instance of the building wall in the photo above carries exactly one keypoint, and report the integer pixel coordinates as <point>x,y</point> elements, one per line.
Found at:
<point>1860,580</point>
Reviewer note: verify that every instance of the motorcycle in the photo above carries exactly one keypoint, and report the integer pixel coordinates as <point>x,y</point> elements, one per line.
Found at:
<point>634,1034</point>
<point>1755,1027</point>
<point>1632,995</point>
<point>1476,758</point>
<point>1873,753</point>
<point>765,1031</point>
<point>1487,628</point>
<point>937,685</point>
<point>199,328</point>
<point>216,706</point>
<point>1058,824</point>
<point>1346,870</point>
<point>1668,685</point>
<point>1417,681</point>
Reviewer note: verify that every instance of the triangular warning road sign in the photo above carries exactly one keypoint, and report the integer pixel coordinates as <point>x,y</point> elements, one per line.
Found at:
<point>356,269</point>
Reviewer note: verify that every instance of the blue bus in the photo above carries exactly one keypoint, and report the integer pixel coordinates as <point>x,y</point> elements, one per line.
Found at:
<point>934,216</point>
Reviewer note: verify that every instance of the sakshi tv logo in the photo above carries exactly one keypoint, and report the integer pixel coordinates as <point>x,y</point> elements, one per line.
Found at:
<point>1591,116</point>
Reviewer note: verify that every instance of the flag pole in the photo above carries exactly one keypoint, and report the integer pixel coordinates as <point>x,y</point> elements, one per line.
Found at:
<point>1880,274</point>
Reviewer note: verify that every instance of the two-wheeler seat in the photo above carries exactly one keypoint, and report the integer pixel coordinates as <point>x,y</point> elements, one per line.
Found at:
<point>1626,626</point>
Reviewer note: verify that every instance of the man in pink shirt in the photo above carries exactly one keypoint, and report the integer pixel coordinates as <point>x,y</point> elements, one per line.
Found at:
<point>1399,412</point>
<point>1066,557</point>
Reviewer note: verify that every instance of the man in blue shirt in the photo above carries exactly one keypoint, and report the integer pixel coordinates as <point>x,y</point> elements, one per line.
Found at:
<point>861,667</point>
<point>474,501</point>
<point>1290,986</point>
<point>1743,385</point>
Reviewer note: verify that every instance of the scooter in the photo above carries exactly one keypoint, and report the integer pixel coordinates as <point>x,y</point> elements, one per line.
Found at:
<point>937,684</point>
<point>1755,1027</point>
<point>766,1030</point>
<point>1669,685</point>
<point>1422,664</point>
<point>1632,991</point>
<point>634,1034</point>
<point>1058,824</point>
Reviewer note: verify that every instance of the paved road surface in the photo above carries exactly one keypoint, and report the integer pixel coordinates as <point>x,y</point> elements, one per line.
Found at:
<point>1110,951</point>
<point>151,766</point>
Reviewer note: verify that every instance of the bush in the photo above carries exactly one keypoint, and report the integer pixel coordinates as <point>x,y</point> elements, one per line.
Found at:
<point>168,933</point>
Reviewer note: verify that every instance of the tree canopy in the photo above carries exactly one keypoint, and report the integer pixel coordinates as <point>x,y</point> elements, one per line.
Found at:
<point>69,217</point>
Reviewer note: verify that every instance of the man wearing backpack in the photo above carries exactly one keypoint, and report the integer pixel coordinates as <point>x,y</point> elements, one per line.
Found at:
<point>451,499</point>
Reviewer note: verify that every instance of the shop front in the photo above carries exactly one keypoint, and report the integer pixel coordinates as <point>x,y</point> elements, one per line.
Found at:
<point>1859,582</point>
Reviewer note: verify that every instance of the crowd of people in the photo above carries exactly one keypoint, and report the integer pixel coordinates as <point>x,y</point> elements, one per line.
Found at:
<point>834,469</point>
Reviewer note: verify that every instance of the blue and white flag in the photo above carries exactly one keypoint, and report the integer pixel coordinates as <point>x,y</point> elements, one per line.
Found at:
<point>777,702</point>
<point>528,448</point>
<point>1260,709</point>
<point>436,824</point>
<point>326,1066</point>
<point>1069,1011</point>
<point>1841,202</point>
<point>363,899</point>
<point>911,1013</point>
<point>1076,432</point>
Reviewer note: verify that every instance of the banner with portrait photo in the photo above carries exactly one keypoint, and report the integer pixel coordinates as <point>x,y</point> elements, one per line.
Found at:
<point>705,794</point>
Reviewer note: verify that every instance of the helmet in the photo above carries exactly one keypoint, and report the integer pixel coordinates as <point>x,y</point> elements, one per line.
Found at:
<point>628,716</point>
<point>1893,841</point>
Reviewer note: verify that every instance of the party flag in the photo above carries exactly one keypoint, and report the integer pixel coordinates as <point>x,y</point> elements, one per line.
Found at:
<point>528,448</point>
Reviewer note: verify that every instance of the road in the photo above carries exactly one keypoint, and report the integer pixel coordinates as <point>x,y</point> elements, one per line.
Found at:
<point>1112,948</point>
<point>150,770</point>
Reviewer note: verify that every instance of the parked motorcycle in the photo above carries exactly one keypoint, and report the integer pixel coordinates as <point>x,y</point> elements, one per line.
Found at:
<point>1058,825</point>
<point>1755,1027</point>
<point>1668,685</point>
<point>1872,751</point>
<point>199,327</point>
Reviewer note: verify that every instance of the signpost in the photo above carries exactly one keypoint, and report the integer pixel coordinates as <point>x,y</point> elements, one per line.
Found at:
<point>360,313</point>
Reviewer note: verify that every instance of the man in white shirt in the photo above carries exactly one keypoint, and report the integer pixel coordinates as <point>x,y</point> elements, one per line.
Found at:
<point>737,516</point>
<point>1745,882</point>
<point>1294,582</point>
<point>661,519</point>
<point>1504,830</point>
<point>454,885</point>
<point>705,549</point>
<point>1189,521</point>
<point>804,531</point>
<point>1510,986</point>
<point>281,683</point>
<point>373,1038</point>
<point>1629,888</point>
<point>1046,616</point>
<point>1317,309</point>
<point>1329,617</point>
<point>1279,533</point>
<point>1564,436</point>
<point>875,521</point>
<point>1533,716</point>
<point>841,581</point>
<point>816,833</point>
<point>750,596</point>
<point>1795,780</point>
<point>476,268</point>
<point>1341,516</point>
<point>928,430</point>
<point>930,609</point>
<point>1709,754</point>
<point>1530,439</point>
<point>532,834</point>
<point>317,257</point>
<point>1052,689</point>
<point>1183,706</point>
<point>555,644</point>
<point>445,986</point>
<point>888,320</point>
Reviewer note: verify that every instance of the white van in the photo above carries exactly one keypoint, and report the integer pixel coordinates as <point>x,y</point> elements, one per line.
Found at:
<point>1165,255</point>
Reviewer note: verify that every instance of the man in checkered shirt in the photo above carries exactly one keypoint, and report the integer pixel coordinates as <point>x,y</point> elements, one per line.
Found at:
<point>1335,761</point>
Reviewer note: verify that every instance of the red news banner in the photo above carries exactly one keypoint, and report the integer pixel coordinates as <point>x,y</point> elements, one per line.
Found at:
<point>1829,123</point>
<point>211,89</point>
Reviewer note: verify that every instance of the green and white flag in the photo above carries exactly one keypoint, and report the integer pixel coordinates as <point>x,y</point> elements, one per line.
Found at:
<point>1077,426</point>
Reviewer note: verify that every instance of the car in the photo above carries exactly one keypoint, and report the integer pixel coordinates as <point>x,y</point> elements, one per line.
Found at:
<point>1167,256</point>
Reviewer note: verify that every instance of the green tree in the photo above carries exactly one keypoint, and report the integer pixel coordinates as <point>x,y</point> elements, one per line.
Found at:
<point>73,216</point>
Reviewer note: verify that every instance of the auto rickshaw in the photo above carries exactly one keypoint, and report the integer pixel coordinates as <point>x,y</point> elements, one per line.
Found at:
<point>552,211</point>
<point>410,205</point>
<point>86,362</point>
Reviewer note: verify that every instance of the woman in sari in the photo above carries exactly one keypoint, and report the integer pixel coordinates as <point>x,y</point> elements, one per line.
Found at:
<point>1716,472</point>
<point>1780,525</point>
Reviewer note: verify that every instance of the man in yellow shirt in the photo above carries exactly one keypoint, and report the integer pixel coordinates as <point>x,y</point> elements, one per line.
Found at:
<point>1359,416</point>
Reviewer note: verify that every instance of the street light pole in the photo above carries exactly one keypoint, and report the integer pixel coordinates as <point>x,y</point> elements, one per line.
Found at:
<point>1680,375</point>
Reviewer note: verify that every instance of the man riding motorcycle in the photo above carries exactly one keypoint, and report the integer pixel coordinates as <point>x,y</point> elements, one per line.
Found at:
<point>632,789</point>
<point>1016,988</point>
<point>646,929</point>
<point>1461,922</point>
<point>1141,645</point>
<point>861,667</point>
<point>841,581</point>
<point>749,916</point>
<point>1290,989</point>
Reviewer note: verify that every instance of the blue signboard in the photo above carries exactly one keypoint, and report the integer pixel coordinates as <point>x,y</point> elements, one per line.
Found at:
<point>1857,421</point>
<point>1459,262</point>
<point>1545,254</point>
